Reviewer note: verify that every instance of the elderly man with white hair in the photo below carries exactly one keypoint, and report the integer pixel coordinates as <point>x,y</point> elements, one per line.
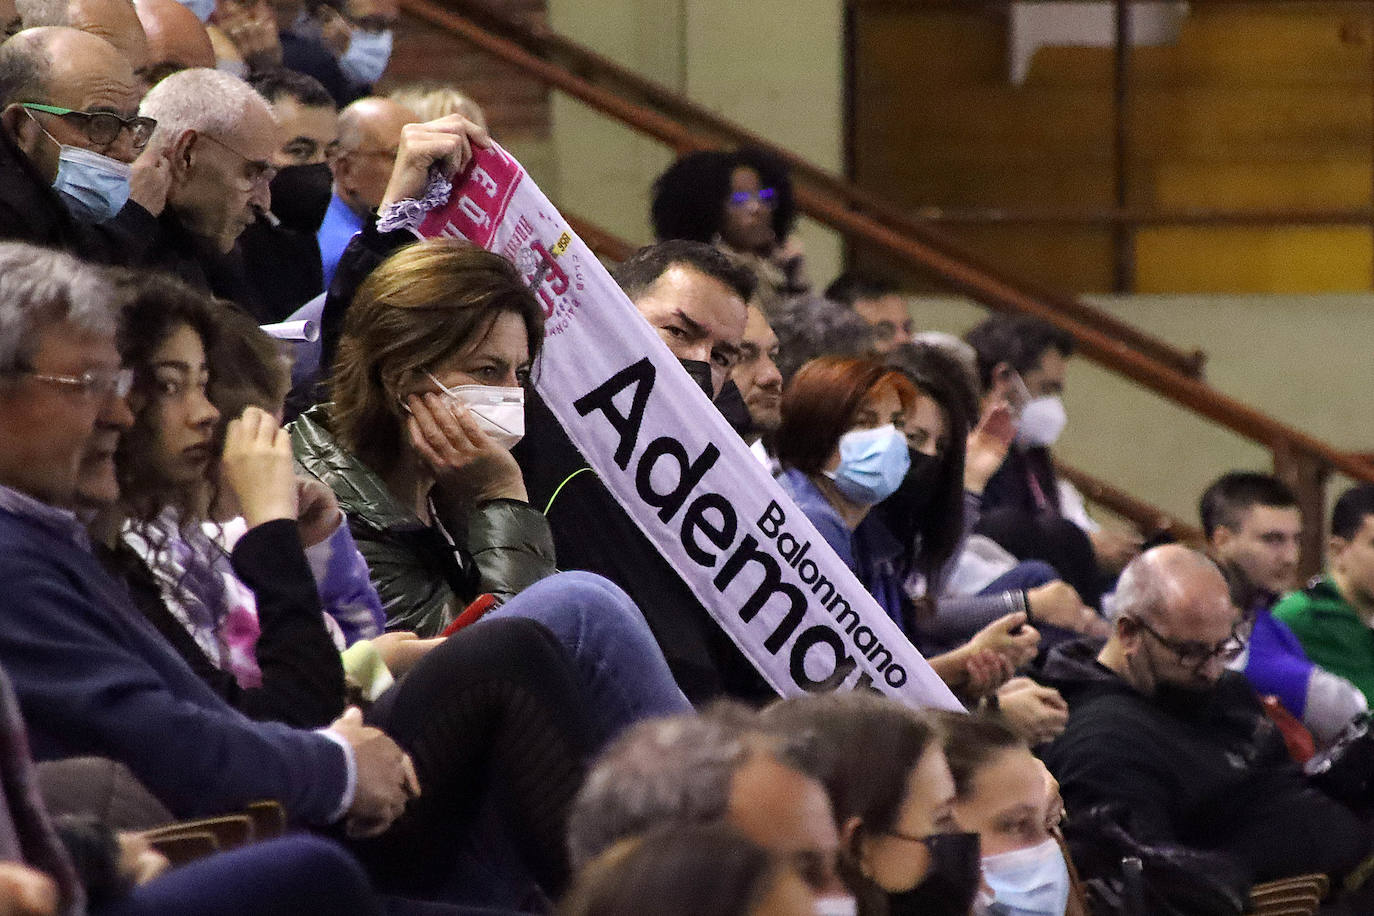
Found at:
<point>218,136</point>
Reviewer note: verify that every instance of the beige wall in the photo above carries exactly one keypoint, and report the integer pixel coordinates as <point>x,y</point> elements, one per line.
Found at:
<point>1302,359</point>
<point>775,66</point>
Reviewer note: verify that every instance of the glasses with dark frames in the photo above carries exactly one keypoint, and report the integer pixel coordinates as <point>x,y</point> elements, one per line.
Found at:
<point>102,127</point>
<point>1196,655</point>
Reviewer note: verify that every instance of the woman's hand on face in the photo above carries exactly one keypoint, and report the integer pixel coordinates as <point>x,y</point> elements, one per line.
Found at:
<point>257,465</point>
<point>469,466</point>
<point>448,140</point>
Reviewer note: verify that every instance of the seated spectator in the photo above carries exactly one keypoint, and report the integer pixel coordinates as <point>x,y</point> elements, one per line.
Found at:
<point>219,136</point>
<point>1330,617</point>
<point>899,849</point>
<point>756,376</point>
<point>1252,526</point>
<point>742,203</point>
<point>1026,507</point>
<point>878,302</point>
<point>1159,726</point>
<point>416,446</point>
<point>843,451</point>
<point>940,500</point>
<point>369,137</point>
<point>708,870</point>
<point>363,60</point>
<point>275,878</point>
<point>281,250</point>
<point>430,102</point>
<point>809,327</point>
<point>1007,797</point>
<point>694,297</point>
<point>62,409</point>
<point>116,21</point>
<point>177,40</point>
<point>62,173</point>
<point>720,767</point>
<point>303,51</point>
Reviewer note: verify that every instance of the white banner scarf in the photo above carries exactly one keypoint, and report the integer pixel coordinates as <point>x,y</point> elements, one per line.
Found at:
<point>685,477</point>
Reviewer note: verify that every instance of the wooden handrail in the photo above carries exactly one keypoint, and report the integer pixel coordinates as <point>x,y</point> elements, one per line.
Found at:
<point>1149,519</point>
<point>1299,457</point>
<point>546,44</point>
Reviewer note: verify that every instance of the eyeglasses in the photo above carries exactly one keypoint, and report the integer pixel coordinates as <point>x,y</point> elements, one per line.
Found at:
<point>1197,655</point>
<point>102,127</point>
<point>765,196</point>
<point>255,171</point>
<point>102,382</point>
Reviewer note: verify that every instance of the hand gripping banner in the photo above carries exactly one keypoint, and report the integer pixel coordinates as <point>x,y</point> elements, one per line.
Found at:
<point>683,475</point>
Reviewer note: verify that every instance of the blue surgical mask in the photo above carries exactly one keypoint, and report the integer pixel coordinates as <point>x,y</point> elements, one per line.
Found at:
<point>94,187</point>
<point>202,8</point>
<point>872,464</point>
<point>367,56</point>
<point>1028,882</point>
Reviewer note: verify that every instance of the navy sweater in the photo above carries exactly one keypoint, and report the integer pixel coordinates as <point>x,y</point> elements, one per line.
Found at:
<point>93,677</point>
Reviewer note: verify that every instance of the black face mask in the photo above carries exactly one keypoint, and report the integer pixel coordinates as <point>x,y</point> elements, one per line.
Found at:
<point>1192,704</point>
<point>917,490</point>
<point>950,886</point>
<point>300,196</point>
<point>700,372</point>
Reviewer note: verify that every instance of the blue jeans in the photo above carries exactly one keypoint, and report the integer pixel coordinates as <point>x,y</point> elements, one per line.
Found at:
<point>621,667</point>
<point>1024,575</point>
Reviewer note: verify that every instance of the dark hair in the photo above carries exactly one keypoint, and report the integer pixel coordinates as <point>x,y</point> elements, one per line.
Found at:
<point>248,367</point>
<point>1349,514</point>
<point>874,742</point>
<point>643,268</point>
<point>423,303</point>
<point>689,198</point>
<point>276,82</point>
<point>676,870</point>
<point>852,286</point>
<point>972,741</point>
<point>930,537</point>
<point>25,67</point>
<point>1235,493</point>
<point>809,327</point>
<point>153,307</point>
<point>1018,340</point>
<point>820,402</point>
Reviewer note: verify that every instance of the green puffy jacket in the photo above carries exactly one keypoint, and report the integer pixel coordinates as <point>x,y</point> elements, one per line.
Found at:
<point>423,581</point>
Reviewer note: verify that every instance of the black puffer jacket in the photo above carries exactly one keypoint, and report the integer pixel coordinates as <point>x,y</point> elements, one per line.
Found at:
<point>1213,776</point>
<point>424,582</point>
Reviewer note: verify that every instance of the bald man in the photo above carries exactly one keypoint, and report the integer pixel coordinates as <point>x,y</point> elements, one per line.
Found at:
<point>369,132</point>
<point>113,20</point>
<point>61,171</point>
<point>176,40</point>
<point>1161,726</point>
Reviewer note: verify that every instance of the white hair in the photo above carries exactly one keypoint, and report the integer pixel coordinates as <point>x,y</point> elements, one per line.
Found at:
<point>40,288</point>
<point>207,101</point>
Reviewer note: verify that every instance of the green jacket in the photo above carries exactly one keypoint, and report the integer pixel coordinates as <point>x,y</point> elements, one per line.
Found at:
<point>423,582</point>
<point>1331,632</point>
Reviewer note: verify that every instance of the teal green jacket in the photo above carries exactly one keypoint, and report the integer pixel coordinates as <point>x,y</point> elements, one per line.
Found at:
<point>1331,632</point>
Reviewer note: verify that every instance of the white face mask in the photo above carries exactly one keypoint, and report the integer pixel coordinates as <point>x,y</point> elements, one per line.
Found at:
<point>836,906</point>
<point>96,187</point>
<point>499,411</point>
<point>1028,882</point>
<point>1042,421</point>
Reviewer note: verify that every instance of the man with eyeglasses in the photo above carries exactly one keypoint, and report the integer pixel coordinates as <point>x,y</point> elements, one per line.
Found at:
<point>73,173</point>
<point>1160,726</point>
<point>219,138</point>
<point>369,134</point>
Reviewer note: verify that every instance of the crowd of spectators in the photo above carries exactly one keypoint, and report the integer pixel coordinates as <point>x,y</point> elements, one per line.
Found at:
<point>371,584</point>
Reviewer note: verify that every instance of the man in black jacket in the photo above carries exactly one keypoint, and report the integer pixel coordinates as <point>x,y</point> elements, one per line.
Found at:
<point>1158,724</point>
<point>43,183</point>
